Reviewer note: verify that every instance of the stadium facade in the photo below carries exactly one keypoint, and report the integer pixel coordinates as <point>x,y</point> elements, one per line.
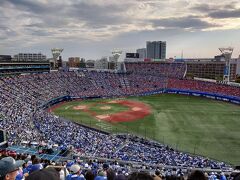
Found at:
<point>29,57</point>
<point>23,63</point>
<point>211,69</point>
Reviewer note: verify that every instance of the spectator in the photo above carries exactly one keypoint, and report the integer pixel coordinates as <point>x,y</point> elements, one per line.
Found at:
<point>76,173</point>
<point>110,174</point>
<point>157,175</point>
<point>89,175</point>
<point>140,176</point>
<point>44,174</point>
<point>9,168</point>
<point>197,175</point>
<point>101,175</point>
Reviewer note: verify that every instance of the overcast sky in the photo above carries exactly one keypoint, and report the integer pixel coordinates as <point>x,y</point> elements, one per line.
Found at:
<point>93,28</point>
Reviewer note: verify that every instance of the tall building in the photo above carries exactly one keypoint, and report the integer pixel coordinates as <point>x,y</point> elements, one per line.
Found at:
<point>156,49</point>
<point>142,53</point>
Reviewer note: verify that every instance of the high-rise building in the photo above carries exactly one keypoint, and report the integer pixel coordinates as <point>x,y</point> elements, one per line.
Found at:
<point>142,53</point>
<point>156,49</point>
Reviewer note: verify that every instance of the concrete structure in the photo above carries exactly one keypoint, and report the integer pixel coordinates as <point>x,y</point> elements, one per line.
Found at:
<point>29,57</point>
<point>118,56</point>
<point>227,54</point>
<point>156,49</point>
<point>142,53</point>
<point>56,52</point>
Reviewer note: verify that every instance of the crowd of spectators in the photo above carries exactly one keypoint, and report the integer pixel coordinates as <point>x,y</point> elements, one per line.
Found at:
<point>25,166</point>
<point>21,116</point>
<point>173,70</point>
<point>202,86</point>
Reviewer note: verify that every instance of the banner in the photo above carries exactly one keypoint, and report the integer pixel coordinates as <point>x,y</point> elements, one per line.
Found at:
<point>231,99</point>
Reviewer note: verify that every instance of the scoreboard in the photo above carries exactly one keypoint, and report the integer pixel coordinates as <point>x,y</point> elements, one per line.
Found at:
<point>2,136</point>
<point>132,55</point>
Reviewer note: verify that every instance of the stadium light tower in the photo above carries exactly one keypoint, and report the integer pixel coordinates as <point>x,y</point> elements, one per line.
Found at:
<point>118,56</point>
<point>227,53</point>
<point>56,53</point>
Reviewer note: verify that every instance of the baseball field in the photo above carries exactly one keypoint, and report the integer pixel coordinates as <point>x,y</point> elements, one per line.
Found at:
<point>191,124</point>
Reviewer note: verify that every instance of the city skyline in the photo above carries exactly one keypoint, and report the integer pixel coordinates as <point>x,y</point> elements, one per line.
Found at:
<point>92,29</point>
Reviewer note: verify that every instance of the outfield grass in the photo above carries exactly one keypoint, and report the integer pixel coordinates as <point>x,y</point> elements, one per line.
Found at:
<point>193,124</point>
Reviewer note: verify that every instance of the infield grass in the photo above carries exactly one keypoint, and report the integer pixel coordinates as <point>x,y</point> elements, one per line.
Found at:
<point>191,124</point>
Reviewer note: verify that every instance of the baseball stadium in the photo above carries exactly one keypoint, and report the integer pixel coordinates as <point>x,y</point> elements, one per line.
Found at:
<point>151,116</point>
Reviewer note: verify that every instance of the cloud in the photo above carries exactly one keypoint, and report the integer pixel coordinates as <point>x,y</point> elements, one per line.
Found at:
<point>223,14</point>
<point>35,7</point>
<point>218,11</point>
<point>31,23</point>
<point>94,15</point>
<point>204,7</point>
<point>97,16</point>
<point>188,22</point>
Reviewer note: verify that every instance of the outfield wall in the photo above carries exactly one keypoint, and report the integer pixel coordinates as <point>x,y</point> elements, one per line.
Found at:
<point>231,99</point>
<point>215,96</point>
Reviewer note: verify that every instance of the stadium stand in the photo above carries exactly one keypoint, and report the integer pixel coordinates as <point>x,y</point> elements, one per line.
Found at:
<point>26,121</point>
<point>174,70</point>
<point>202,86</point>
<point>25,166</point>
